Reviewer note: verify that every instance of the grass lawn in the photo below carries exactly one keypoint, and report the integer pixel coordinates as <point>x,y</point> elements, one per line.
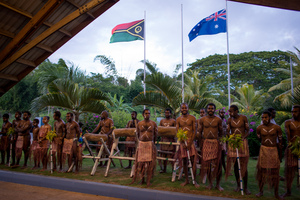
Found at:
<point>120,176</point>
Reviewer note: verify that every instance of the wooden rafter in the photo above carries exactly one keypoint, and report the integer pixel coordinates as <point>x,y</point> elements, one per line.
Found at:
<point>78,6</point>
<point>30,16</point>
<point>29,29</point>
<point>284,4</point>
<point>83,9</point>
<point>12,35</point>
<point>8,77</point>
<point>26,62</point>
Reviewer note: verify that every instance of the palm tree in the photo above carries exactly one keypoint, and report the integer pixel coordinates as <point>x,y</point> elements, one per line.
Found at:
<point>249,99</point>
<point>109,63</point>
<point>48,72</point>
<point>200,87</point>
<point>150,69</point>
<point>167,94</point>
<point>285,85</point>
<point>67,94</point>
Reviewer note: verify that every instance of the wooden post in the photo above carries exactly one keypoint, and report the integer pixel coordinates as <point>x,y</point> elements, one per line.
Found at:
<point>190,164</point>
<point>175,167</point>
<point>239,165</point>
<point>88,147</point>
<point>97,160</point>
<point>51,158</point>
<point>10,149</point>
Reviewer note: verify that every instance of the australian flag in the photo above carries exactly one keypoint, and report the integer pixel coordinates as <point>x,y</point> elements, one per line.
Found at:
<point>213,24</point>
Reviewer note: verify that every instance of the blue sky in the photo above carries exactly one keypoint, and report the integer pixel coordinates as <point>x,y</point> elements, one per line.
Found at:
<point>250,28</point>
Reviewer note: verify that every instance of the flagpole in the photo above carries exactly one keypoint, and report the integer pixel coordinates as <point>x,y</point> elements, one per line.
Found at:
<point>182,66</point>
<point>228,64</point>
<point>292,81</point>
<point>144,55</point>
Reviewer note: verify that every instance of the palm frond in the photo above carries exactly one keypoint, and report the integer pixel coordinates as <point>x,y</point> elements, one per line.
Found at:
<point>52,99</point>
<point>152,98</point>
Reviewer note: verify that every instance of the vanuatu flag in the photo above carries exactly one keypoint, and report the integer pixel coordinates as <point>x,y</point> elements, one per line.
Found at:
<point>128,32</point>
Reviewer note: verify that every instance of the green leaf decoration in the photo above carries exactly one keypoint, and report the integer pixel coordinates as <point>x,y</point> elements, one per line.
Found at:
<point>51,135</point>
<point>181,135</point>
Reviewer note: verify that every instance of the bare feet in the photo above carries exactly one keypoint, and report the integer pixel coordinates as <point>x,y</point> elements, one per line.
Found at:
<point>128,167</point>
<point>184,184</point>
<point>24,167</point>
<point>33,168</point>
<point>259,194</point>
<point>209,187</point>
<point>247,192</point>
<point>219,188</point>
<point>43,169</point>
<point>196,185</point>
<point>15,166</point>
<point>237,189</point>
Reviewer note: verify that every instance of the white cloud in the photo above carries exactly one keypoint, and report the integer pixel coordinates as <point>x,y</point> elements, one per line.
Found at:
<point>251,28</point>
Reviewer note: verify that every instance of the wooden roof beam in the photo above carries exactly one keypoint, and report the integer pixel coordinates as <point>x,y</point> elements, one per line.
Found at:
<point>41,46</point>
<point>27,62</point>
<point>78,6</point>
<point>74,15</point>
<point>29,15</point>
<point>8,77</point>
<point>7,33</point>
<point>29,29</point>
<point>286,4</point>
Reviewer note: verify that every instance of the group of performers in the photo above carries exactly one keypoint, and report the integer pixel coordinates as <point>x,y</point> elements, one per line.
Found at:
<point>205,132</point>
<point>64,145</point>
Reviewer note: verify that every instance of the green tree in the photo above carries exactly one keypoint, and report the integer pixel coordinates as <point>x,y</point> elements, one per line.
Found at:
<point>285,85</point>
<point>249,99</point>
<point>69,95</point>
<point>118,104</point>
<point>254,68</point>
<point>194,85</point>
<point>167,94</point>
<point>20,96</point>
<point>47,72</point>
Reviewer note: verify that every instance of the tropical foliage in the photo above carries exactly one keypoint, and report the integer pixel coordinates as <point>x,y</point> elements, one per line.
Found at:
<point>249,99</point>
<point>285,85</point>
<point>167,94</point>
<point>69,95</point>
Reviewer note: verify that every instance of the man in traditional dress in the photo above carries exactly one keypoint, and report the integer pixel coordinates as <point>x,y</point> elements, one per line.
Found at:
<point>210,127</point>
<point>15,124</point>
<point>146,151</point>
<point>43,142</point>
<point>268,163</point>
<point>70,141</point>
<point>187,123</point>
<point>5,140</point>
<point>238,124</point>
<point>130,148</point>
<point>57,145</point>
<point>106,125</point>
<point>34,149</point>
<point>23,139</point>
<point>224,126</point>
<point>292,130</point>
<point>169,149</point>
